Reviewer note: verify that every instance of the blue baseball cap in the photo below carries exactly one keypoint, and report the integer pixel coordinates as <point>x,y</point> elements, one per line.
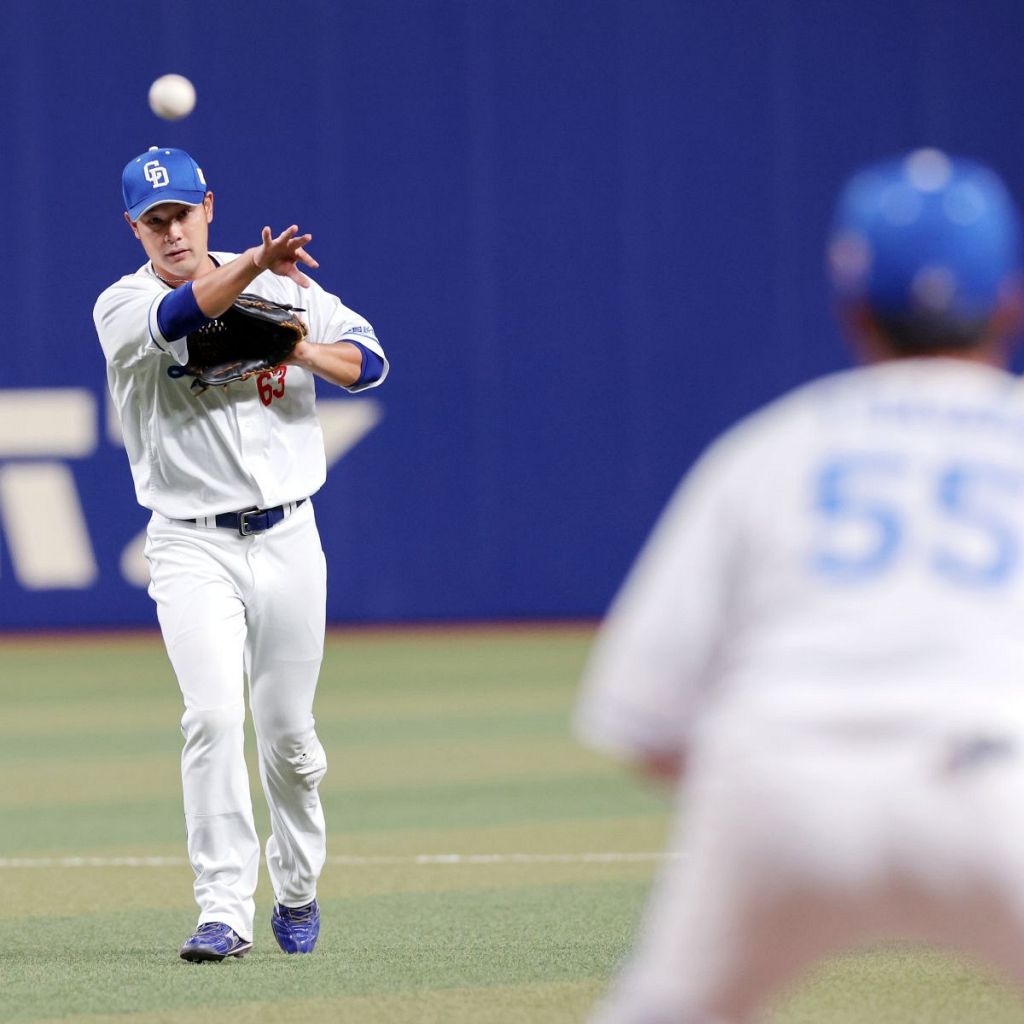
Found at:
<point>161,176</point>
<point>925,234</point>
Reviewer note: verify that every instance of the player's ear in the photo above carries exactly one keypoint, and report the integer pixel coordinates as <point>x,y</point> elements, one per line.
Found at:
<point>131,224</point>
<point>1009,315</point>
<point>208,206</point>
<point>859,328</point>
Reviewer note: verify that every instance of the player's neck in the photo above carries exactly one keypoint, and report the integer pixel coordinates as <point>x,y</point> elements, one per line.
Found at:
<point>992,351</point>
<point>205,267</point>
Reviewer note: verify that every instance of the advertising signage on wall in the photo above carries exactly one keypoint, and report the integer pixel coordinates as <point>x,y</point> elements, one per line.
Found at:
<point>54,444</point>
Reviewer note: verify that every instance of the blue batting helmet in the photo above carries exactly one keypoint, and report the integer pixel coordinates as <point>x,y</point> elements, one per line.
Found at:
<point>926,235</point>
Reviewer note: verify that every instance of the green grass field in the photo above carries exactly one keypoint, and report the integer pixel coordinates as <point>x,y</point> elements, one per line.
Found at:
<point>440,743</point>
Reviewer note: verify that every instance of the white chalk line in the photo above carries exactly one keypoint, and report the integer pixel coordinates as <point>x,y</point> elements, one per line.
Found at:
<point>351,860</point>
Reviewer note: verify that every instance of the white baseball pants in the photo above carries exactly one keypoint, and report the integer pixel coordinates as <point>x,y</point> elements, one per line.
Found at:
<point>233,608</point>
<point>802,843</point>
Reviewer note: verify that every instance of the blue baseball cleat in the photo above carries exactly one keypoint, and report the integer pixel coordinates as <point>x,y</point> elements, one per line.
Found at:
<point>213,941</point>
<point>296,928</point>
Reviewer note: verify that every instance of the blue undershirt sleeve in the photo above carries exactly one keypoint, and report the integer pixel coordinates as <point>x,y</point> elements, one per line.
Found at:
<point>179,314</point>
<point>372,368</point>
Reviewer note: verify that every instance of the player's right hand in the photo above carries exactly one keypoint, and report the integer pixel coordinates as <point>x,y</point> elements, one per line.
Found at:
<point>282,255</point>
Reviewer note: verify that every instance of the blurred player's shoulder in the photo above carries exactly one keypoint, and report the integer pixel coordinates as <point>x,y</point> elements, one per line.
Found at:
<point>898,402</point>
<point>920,400</point>
<point>922,391</point>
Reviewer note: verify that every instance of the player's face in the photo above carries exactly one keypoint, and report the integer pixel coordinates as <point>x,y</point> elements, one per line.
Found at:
<point>175,238</point>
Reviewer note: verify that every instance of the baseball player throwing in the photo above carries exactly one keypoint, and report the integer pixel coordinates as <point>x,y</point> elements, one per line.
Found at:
<point>237,569</point>
<point>824,637</point>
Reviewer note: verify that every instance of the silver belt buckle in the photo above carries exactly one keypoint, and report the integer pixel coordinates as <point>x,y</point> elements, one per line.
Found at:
<point>243,525</point>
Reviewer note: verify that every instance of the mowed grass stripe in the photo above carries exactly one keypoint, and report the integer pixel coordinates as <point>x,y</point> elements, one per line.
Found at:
<point>69,671</point>
<point>485,804</point>
<point>71,748</point>
<point>53,890</point>
<point>348,715</point>
<point>111,822</point>
<point>116,774</point>
<point>167,887</point>
<point>404,658</point>
<point>59,827</point>
<point>551,1003</point>
<point>503,719</point>
<point>108,720</point>
<point>384,956</point>
<point>901,985</point>
<point>483,760</point>
<point>83,731</point>
<point>58,781</point>
<point>887,987</point>
<point>567,835</point>
<point>344,706</point>
<point>126,962</point>
<point>439,701</point>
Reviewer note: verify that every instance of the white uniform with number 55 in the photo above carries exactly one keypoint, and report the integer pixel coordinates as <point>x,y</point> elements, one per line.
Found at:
<point>829,621</point>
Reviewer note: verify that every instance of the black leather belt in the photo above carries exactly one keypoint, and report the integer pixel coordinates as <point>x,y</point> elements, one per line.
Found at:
<point>251,520</point>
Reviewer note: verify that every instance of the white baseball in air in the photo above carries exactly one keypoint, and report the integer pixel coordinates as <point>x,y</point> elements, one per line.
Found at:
<point>172,97</point>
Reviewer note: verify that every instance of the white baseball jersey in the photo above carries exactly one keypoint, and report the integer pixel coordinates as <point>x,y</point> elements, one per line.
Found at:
<point>255,443</point>
<point>858,542</point>
<point>829,622</point>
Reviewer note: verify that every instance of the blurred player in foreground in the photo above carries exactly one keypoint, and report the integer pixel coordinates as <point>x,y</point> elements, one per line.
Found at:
<point>236,566</point>
<point>823,639</point>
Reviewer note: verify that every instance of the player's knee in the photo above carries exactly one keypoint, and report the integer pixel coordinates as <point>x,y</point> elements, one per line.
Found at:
<point>209,724</point>
<point>306,762</point>
<point>289,746</point>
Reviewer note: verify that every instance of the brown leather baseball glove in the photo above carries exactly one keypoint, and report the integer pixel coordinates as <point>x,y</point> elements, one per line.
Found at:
<point>252,335</point>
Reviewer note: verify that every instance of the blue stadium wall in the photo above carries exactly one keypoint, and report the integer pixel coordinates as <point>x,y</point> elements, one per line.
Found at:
<point>588,232</point>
